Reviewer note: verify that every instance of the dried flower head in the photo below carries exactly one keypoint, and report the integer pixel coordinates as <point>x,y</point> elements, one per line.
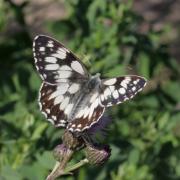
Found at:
<point>59,152</point>
<point>97,155</point>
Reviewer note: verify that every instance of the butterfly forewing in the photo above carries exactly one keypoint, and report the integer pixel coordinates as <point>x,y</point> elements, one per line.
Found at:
<point>120,89</point>
<point>55,63</point>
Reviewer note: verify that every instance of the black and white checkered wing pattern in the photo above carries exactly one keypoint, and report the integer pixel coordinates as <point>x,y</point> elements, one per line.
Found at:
<point>55,63</point>
<point>69,97</point>
<point>49,102</point>
<point>120,89</point>
<point>87,116</point>
<point>57,102</point>
<point>63,77</point>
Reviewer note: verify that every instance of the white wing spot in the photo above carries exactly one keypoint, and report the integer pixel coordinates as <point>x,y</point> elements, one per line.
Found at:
<point>60,53</point>
<point>52,67</point>
<point>64,103</point>
<point>134,88</point>
<point>68,108</point>
<point>86,112</point>
<point>74,88</point>
<point>111,88</point>
<point>65,68</point>
<point>107,93</point>
<point>128,79</point>
<point>95,104</point>
<point>64,74</point>
<point>54,94</point>
<point>81,112</point>
<point>42,48</point>
<point>62,121</point>
<point>35,59</point>
<point>110,81</point>
<point>71,129</point>
<point>58,99</point>
<point>115,94</point>
<point>79,126</point>
<point>102,97</point>
<point>63,50</point>
<point>54,118</point>
<point>77,67</point>
<point>62,88</point>
<point>122,91</point>
<point>44,76</point>
<point>50,44</point>
<point>91,111</point>
<point>126,98</point>
<point>51,59</point>
<point>60,125</point>
<point>78,129</point>
<point>124,84</point>
<point>47,110</point>
<point>61,80</point>
<point>93,97</point>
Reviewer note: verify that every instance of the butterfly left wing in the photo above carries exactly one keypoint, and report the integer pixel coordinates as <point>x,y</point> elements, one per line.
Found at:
<point>55,63</point>
<point>63,76</point>
<point>120,89</point>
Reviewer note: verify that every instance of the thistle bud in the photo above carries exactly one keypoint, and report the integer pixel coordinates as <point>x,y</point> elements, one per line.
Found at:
<point>71,141</point>
<point>97,155</point>
<point>59,152</point>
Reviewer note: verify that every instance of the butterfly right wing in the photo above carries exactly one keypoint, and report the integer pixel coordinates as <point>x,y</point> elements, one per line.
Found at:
<point>120,89</point>
<point>57,101</point>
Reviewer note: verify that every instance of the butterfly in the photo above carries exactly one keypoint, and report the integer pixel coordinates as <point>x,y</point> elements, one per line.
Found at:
<point>69,95</point>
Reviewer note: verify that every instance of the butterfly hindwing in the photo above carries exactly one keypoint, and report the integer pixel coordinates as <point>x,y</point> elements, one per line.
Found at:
<point>55,63</point>
<point>120,89</point>
<point>57,101</point>
<point>49,101</point>
<point>86,117</point>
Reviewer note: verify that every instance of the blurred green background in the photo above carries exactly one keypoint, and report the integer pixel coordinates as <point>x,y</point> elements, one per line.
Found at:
<point>109,37</point>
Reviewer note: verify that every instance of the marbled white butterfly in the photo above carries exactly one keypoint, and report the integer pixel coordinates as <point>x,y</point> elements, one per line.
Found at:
<point>69,96</point>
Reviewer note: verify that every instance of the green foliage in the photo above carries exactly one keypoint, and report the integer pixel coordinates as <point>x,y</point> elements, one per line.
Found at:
<point>145,132</point>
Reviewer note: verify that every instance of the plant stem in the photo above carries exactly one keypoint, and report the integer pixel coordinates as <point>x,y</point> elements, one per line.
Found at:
<point>58,169</point>
<point>69,169</point>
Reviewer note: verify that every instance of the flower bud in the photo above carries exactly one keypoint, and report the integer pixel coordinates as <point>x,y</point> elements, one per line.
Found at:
<point>59,152</point>
<point>97,155</point>
<point>71,141</point>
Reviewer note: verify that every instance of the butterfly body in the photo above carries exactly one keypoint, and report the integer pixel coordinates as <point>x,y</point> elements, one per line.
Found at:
<point>69,96</point>
<point>92,86</point>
